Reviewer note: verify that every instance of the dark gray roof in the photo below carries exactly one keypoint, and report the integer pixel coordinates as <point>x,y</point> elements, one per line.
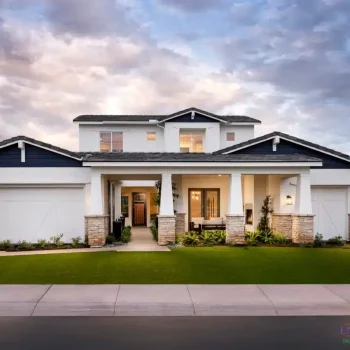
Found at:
<point>285,136</point>
<point>161,117</point>
<point>40,144</point>
<point>192,157</point>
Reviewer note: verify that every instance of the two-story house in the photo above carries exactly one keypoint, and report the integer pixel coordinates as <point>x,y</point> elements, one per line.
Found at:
<point>211,168</point>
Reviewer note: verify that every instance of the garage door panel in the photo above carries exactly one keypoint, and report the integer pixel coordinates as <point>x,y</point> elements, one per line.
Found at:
<point>40,213</point>
<point>330,210</point>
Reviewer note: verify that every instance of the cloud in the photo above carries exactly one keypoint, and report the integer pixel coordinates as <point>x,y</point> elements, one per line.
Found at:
<point>286,63</point>
<point>193,5</point>
<point>86,18</point>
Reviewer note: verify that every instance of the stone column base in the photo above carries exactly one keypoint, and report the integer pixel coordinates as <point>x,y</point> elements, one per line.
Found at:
<point>166,229</point>
<point>180,224</point>
<point>96,229</point>
<point>303,229</point>
<point>235,229</point>
<point>282,223</point>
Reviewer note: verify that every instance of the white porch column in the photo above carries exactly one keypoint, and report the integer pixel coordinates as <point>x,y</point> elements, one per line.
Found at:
<point>235,198</point>
<point>96,224</point>
<point>166,197</point>
<point>117,197</point>
<point>235,216</point>
<point>303,219</point>
<point>303,202</point>
<point>166,217</point>
<point>96,206</point>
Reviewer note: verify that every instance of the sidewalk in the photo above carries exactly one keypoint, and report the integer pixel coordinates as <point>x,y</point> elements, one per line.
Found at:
<point>174,300</point>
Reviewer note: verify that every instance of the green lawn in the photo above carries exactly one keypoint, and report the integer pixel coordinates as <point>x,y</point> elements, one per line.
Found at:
<point>183,265</point>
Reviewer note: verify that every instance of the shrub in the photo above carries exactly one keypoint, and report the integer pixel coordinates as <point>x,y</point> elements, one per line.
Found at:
<point>154,231</point>
<point>5,245</point>
<point>337,240</point>
<point>207,238</point>
<point>57,240</point>
<point>23,245</point>
<point>279,238</point>
<point>76,241</point>
<point>252,237</point>
<point>220,236</point>
<point>126,234</point>
<point>190,238</point>
<point>42,243</point>
<point>266,210</point>
<point>110,239</point>
<point>318,241</point>
<point>265,237</point>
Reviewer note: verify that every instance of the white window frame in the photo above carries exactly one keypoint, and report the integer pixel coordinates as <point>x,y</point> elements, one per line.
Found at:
<point>111,140</point>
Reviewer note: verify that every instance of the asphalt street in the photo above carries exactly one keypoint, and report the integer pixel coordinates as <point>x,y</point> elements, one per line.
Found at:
<point>175,333</point>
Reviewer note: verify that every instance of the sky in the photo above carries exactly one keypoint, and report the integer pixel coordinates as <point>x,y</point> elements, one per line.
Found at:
<point>284,62</point>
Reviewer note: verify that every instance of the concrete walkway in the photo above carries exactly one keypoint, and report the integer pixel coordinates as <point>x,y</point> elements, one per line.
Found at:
<point>142,241</point>
<point>174,300</point>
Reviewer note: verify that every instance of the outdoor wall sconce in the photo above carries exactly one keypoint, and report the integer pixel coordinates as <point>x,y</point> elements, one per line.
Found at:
<point>289,200</point>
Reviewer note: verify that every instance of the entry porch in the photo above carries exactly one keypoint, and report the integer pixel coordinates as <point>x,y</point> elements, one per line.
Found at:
<point>231,197</point>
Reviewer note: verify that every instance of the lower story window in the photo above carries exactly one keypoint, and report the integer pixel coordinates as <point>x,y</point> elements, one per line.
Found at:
<point>204,203</point>
<point>125,206</point>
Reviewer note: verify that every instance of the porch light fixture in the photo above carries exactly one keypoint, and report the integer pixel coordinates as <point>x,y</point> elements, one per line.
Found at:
<point>289,200</point>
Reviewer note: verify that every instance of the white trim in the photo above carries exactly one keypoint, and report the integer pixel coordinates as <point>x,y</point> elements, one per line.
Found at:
<point>43,185</point>
<point>192,110</point>
<point>251,144</point>
<point>243,123</point>
<point>284,138</point>
<point>36,145</point>
<point>201,164</point>
<point>22,147</point>
<point>275,142</point>
<point>117,122</point>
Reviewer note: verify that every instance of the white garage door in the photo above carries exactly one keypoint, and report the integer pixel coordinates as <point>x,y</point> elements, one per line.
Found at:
<point>330,207</point>
<point>30,214</point>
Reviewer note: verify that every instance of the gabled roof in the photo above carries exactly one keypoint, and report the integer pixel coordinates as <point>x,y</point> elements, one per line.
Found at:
<point>145,118</point>
<point>40,144</point>
<point>257,140</point>
<point>133,157</point>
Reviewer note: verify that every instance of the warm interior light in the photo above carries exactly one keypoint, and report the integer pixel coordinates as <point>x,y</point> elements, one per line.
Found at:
<point>289,200</point>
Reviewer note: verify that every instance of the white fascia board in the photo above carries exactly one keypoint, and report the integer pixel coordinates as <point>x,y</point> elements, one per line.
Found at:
<point>244,123</point>
<point>207,115</point>
<point>146,122</point>
<point>201,164</point>
<point>281,137</point>
<point>246,146</point>
<point>36,145</point>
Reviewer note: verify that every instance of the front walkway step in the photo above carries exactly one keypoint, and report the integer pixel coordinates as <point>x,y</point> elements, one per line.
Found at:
<point>142,241</point>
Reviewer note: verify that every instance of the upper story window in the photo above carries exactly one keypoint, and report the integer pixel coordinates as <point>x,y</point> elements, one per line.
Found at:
<point>151,136</point>
<point>191,141</point>
<point>230,136</point>
<point>111,141</point>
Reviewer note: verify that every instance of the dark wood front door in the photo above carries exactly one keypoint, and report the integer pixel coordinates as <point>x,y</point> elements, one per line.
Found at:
<point>139,209</point>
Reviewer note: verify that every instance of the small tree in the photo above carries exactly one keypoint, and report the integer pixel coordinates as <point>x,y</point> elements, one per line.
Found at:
<point>156,199</point>
<point>266,210</point>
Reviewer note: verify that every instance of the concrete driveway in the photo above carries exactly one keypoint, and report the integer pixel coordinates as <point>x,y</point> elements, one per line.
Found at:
<point>174,300</point>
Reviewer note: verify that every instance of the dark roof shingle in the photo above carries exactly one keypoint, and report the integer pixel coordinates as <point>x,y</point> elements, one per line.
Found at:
<point>40,144</point>
<point>285,136</point>
<point>192,157</point>
<point>160,117</point>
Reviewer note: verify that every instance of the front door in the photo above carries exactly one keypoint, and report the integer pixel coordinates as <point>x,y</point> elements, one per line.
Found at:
<point>139,209</point>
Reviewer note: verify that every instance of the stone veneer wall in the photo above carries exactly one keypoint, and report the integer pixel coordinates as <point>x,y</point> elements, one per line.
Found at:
<point>96,229</point>
<point>303,229</point>
<point>166,229</point>
<point>235,229</point>
<point>282,223</point>
<point>180,224</point>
